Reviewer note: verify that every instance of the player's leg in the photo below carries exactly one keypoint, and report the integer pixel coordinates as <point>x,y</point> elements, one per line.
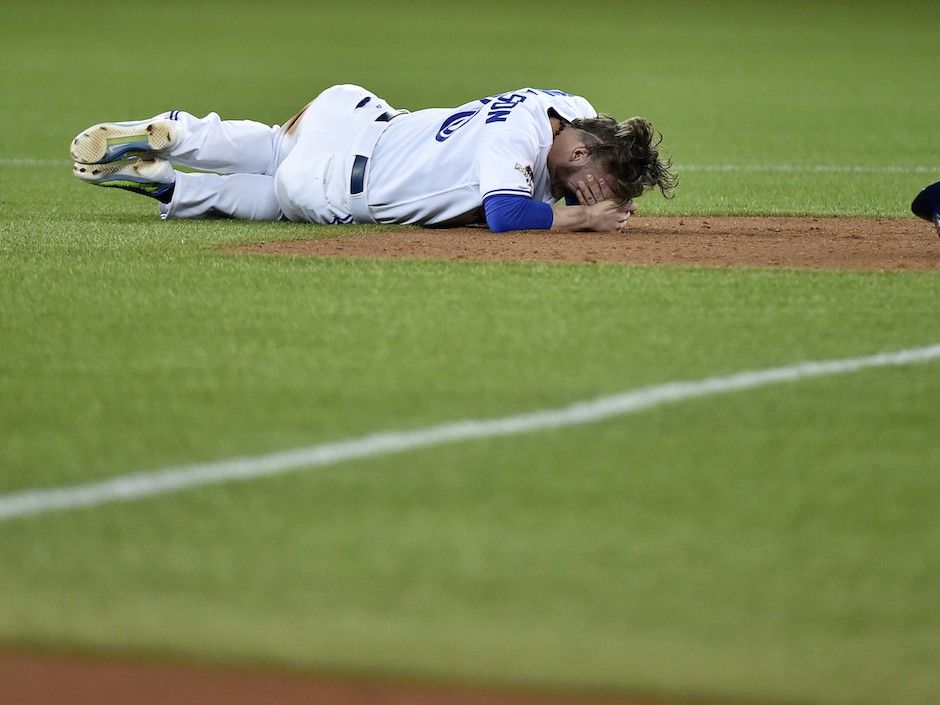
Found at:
<point>225,146</point>
<point>208,143</point>
<point>181,195</point>
<point>241,196</point>
<point>212,144</point>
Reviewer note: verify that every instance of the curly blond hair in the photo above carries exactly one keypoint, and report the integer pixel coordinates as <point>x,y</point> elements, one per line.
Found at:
<point>630,150</point>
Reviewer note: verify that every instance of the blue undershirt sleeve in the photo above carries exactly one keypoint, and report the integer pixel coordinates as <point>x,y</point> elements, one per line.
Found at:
<point>505,212</point>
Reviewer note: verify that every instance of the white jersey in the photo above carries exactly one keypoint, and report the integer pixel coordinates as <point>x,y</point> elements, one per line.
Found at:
<point>435,166</point>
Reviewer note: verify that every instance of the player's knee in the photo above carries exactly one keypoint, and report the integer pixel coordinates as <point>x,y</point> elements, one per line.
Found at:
<point>345,92</point>
<point>287,192</point>
<point>351,99</point>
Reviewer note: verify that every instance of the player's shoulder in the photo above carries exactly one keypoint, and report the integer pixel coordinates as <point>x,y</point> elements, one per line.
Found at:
<point>524,106</point>
<point>569,105</point>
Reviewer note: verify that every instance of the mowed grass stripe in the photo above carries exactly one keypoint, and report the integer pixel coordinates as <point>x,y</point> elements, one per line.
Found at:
<point>130,487</point>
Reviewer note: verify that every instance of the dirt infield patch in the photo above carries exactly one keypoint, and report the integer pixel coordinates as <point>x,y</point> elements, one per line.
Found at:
<point>48,680</point>
<point>821,243</point>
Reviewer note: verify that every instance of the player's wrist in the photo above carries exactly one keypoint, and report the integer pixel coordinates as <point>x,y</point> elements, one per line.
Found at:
<point>593,218</point>
<point>573,219</point>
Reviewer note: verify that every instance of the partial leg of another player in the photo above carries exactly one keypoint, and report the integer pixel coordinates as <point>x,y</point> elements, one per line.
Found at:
<point>927,205</point>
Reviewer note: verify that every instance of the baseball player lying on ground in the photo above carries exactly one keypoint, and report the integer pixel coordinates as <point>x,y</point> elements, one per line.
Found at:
<point>348,157</point>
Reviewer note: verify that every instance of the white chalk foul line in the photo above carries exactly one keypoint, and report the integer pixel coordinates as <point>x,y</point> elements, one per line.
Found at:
<point>176,479</point>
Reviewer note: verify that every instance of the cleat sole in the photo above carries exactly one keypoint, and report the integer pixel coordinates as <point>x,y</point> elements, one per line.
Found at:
<point>108,142</point>
<point>147,177</point>
<point>94,173</point>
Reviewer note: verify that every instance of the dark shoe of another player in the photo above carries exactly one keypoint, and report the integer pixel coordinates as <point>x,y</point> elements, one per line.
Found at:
<point>927,205</point>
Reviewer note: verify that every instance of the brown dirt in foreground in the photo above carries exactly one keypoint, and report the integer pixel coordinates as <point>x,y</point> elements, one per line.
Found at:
<point>820,243</point>
<point>49,680</point>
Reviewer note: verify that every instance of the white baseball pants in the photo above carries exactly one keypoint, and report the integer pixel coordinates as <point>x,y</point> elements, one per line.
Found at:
<point>247,156</point>
<point>243,153</point>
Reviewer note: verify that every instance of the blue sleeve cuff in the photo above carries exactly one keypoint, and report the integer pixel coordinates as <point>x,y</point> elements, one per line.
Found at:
<point>505,212</point>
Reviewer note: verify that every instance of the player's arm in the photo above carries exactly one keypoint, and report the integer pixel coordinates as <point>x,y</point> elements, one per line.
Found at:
<point>596,210</point>
<point>506,182</point>
<point>507,212</point>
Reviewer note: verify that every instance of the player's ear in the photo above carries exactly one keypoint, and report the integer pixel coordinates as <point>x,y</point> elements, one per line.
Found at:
<point>580,154</point>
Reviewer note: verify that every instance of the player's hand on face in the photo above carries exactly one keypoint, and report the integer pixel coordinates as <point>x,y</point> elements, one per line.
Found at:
<point>593,190</point>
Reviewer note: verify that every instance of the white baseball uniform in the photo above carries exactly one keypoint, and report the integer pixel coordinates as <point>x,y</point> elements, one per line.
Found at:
<point>352,158</point>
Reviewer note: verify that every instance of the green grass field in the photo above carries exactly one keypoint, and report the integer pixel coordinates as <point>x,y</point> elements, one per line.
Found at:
<point>778,545</point>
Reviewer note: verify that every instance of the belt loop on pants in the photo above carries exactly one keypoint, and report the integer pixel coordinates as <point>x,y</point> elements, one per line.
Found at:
<point>363,146</point>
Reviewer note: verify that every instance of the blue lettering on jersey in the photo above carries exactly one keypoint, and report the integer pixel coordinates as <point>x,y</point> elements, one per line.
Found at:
<point>501,107</point>
<point>454,123</point>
